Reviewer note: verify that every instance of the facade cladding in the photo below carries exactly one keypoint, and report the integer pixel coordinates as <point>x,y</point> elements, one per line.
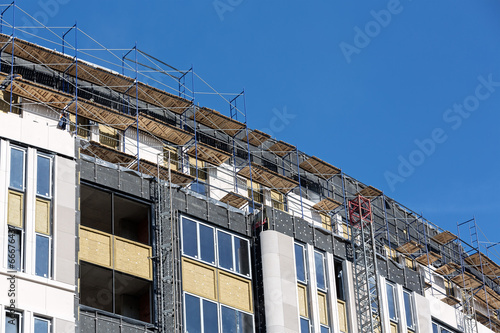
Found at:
<point>133,210</point>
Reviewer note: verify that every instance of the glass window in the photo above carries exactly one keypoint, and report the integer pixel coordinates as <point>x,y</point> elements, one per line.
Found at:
<point>12,322</point>
<point>325,329</point>
<point>210,317</point>
<point>224,243</point>
<point>42,325</point>
<point>304,325</point>
<point>299,263</point>
<point>435,328</point>
<point>339,280</point>
<point>189,238</point>
<point>320,270</point>
<point>17,169</point>
<point>207,244</point>
<point>391,300</point>
<point>14,253</point>
<point>193,314</point>
<point>234,321</point>
<point>408,309</point>
<point>241,256</point>
<point>43,176</point>
<point>42,256</point>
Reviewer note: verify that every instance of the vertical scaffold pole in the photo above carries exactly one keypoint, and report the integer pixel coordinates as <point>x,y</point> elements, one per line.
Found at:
<point>300,184</point>
<point>137,107</point>
<point>76,78</point>
<point>12,53</point>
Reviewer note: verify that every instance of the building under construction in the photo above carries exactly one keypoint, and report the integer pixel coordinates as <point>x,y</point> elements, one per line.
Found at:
<point>128,207</point>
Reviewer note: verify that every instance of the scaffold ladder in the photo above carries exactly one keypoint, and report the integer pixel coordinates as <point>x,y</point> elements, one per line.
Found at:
<point>470,323</point>
<point>364,266</point>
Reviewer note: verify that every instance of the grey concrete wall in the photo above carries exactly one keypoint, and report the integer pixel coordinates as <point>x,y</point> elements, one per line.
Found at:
<point>64,224</point>
<point>280,287</point>
<point>423,309</point>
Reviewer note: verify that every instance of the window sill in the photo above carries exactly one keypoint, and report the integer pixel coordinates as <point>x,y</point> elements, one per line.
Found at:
<point>49,282</point>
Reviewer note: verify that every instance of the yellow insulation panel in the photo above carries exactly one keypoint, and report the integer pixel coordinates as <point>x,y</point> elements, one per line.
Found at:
<point>42,218</point>
<point>235,291</point>
<point>342,315</point>
<point>394,328</point>
<point>302,292</point>
<point>95,247</point>
<point>323,309</point>
<point>199,279</point>
<point>133,258</point>
<point>15,214</point>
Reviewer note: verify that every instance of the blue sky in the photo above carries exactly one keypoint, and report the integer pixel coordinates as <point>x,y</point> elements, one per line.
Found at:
<point>402,95</point>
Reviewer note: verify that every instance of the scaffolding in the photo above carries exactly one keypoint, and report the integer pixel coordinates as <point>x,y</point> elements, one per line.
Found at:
<point>137,111</point>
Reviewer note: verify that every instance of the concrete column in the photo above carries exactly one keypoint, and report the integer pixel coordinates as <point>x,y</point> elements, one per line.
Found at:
<point>279,279</point>
<point>422,314</point>
<point>313,295</point>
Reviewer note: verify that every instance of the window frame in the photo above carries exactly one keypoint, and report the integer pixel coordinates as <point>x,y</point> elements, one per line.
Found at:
<point>412,311</point>
<point>323,266</point>
<point>47,198</point>
<point>51,162</point>
<point>49,255</point>
<point>198,242</point>
<point>219,307</point>
<point>394,300</point>
<point>217,256</point>
<point>201,309</point>
<point>21,190</point>
<point>49,322</point>
<point>19,315</point>
<point>233,254</point>
<point>304,320</point>
<point>24,151</point>
<point>304,263</point>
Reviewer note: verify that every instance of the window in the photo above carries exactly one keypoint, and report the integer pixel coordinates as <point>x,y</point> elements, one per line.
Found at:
<point>122,224</point>
<point>235,321</point>
<point>13,322</point>
<point>43,176</point>
<point>441,328</point>
<point>17,168</point>
<point>304,325</point>
<point>341,299</point>
<point>42,325</point>
<point>300,263</point>
<point>392,305</point>
<point>115,292</point>
<point>43,216</point>
<point>201,315</point>
<point>204,248</point>
<point>15,215</point>
<point>233,253</point>
<point>211,293</point>
<point>408,302</point>
<point>319,261</point>
<point>339,280</point>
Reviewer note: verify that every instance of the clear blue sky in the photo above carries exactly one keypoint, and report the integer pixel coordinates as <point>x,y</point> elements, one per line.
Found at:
<point>359,100</point>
